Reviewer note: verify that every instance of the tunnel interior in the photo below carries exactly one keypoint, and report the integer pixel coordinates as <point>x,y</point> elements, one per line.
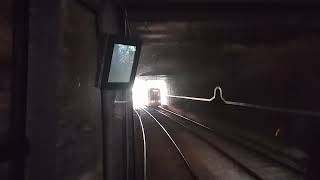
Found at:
<point>143,84</point>
<point>265,57</point>
<point>245,69</point>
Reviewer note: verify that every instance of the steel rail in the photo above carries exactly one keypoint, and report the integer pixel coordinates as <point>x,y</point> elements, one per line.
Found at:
<point>262,145</point>
<point>228,156</point>
<point>174,143</point>
<point>296,170</point>
<point>144,147</point>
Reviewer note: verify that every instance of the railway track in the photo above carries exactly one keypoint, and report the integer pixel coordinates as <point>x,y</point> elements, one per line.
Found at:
<point>144,146</point>
<point>199,174</point>
<point>255,163</point>
<point>284,159</point>
<point>153,145</point>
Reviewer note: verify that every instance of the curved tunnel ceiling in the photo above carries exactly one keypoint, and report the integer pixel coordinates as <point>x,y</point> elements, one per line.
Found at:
<point>182,37</point>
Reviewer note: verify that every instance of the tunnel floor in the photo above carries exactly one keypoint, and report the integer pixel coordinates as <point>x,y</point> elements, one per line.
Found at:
<point>178,148</point>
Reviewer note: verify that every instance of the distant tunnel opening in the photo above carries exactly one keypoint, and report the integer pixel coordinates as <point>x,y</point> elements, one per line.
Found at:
<point>141,89</point>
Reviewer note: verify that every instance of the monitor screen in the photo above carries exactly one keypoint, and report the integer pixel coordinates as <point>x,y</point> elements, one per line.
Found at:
<point>121,63</point>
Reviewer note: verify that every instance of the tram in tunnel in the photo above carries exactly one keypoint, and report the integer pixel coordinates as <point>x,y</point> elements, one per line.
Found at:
<point>154,97</point>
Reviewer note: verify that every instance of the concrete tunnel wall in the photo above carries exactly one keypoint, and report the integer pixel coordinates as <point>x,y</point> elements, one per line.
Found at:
<point>277,75</point>
<point>64,108</point>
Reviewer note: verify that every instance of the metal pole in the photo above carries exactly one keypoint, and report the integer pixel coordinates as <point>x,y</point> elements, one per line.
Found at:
<point>107,104</point>
<point>130,136</point>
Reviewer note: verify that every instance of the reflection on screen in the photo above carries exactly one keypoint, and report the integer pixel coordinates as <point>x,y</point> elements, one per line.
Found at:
<point>121,63</point>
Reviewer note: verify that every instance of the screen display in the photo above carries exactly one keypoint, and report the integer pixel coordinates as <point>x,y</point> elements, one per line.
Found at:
<point>121,63</point>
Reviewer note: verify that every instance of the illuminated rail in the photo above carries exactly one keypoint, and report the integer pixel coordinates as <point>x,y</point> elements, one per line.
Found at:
<point>144,147</point>
<point>174,143</point>
<point>248,105</point>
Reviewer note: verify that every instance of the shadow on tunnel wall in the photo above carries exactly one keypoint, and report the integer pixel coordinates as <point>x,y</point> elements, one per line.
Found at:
<point>78,128</point>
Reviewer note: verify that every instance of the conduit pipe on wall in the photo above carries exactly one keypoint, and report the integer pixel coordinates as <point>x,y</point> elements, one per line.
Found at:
<point>218,96</point>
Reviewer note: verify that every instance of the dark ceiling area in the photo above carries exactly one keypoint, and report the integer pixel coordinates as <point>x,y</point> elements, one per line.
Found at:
<point>179,35</point>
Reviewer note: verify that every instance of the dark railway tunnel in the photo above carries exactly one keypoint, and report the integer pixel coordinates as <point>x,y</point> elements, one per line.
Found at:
<point>263,55</point>
<point>254,53</point>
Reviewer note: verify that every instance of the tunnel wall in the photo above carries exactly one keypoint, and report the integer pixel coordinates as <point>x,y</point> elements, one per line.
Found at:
<point>282,74</point>
<point>64,108</point>
<point>78,127</point>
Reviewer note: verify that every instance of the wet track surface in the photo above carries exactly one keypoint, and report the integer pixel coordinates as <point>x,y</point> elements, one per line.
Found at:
<point>179,149</point>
